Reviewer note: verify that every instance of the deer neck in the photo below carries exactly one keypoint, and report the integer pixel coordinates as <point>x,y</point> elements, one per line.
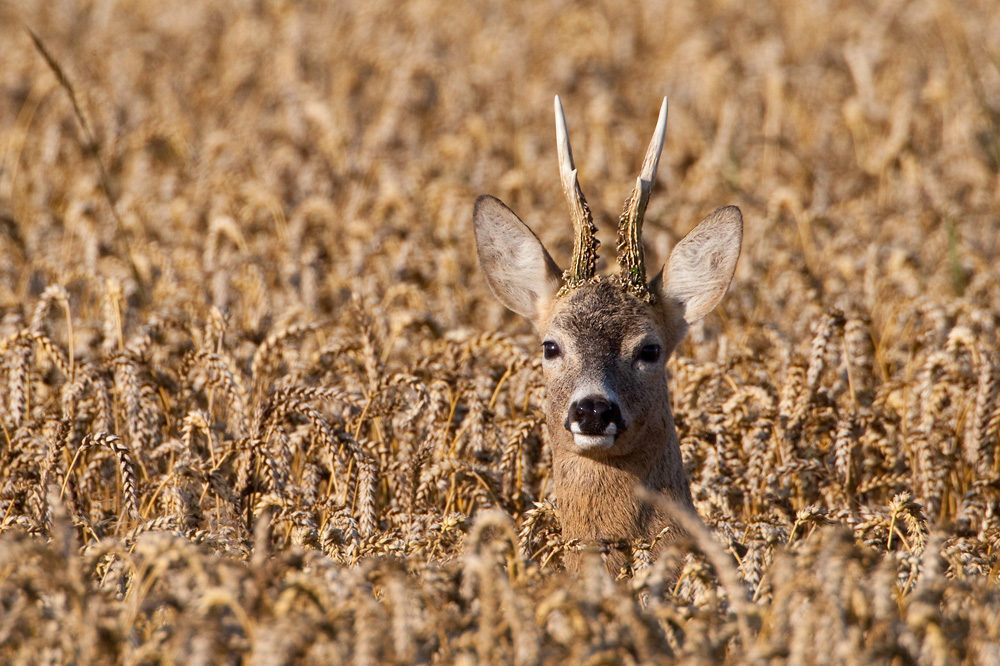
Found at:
<point>597,495</point>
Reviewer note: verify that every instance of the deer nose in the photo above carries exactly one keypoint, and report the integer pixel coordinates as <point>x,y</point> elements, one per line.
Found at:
<point>591,406</point>
<point>593,415</point>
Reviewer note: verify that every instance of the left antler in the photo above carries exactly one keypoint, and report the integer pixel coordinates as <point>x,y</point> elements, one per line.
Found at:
<point>585,242</point>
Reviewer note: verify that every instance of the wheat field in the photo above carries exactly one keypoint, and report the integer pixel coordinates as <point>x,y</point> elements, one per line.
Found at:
<point>260,407</point>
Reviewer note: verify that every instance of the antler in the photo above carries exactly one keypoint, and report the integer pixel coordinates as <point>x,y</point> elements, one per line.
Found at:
<point>585,243</point>
<point>632,266</point>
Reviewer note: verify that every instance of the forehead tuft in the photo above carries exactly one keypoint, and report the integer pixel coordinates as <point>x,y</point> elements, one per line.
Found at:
<point>601,309</point>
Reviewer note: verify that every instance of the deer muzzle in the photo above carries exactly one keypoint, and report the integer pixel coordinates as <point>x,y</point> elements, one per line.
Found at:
<point>595,421</point>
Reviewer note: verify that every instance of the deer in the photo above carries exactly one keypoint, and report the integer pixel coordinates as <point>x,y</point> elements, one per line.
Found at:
<point>605,343</point>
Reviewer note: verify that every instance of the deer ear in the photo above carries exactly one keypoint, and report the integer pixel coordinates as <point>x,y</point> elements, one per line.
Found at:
<point>701,266</point>
<point>517,267</point>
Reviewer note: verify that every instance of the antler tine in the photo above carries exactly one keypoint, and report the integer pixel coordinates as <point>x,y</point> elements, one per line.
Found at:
<point>631,264</point>
<point>585,243</point>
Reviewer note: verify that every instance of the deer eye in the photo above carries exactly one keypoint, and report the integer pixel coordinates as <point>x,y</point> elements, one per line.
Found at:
<point>650,354</point>
<point>550,350</point>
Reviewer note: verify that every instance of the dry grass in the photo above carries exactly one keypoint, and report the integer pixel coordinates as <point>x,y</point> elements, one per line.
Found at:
<point>260,407</point>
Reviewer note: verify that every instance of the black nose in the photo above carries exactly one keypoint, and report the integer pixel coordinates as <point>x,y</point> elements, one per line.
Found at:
<point>593,415</point>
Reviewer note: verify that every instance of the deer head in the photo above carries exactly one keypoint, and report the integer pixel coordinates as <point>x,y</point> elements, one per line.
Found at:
<point>605,342</point>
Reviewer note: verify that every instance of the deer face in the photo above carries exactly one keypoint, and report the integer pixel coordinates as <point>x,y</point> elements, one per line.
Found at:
<point>603,354</point>
<point>604,349</point>
<point>605,340</point>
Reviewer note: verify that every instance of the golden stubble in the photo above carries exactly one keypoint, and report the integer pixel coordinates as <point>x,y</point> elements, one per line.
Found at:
<point>290,424</point>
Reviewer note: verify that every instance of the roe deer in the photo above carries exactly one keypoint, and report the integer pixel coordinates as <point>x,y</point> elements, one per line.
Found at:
<point>605,345</point>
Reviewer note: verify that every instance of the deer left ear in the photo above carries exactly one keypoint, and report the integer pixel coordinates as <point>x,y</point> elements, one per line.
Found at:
<point>702,265</point>
<point>517,267</point>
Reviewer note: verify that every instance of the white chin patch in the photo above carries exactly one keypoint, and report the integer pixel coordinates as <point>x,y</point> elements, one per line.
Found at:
<point>593,442</point>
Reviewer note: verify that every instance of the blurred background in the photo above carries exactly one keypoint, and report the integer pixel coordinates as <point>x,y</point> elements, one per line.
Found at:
<point>238,236</point>
<point>300,145</point>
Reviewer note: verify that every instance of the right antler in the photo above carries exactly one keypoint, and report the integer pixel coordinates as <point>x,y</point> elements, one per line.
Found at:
<point>630,255</point>
<point>585,242</point>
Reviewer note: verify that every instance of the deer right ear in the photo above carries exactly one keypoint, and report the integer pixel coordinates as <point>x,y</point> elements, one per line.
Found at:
<point>701,266</point>
<point>517,267</point>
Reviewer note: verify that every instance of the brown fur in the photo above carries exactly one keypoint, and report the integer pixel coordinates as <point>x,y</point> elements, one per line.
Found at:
<point>600,326</point>
<point>607,341</point>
